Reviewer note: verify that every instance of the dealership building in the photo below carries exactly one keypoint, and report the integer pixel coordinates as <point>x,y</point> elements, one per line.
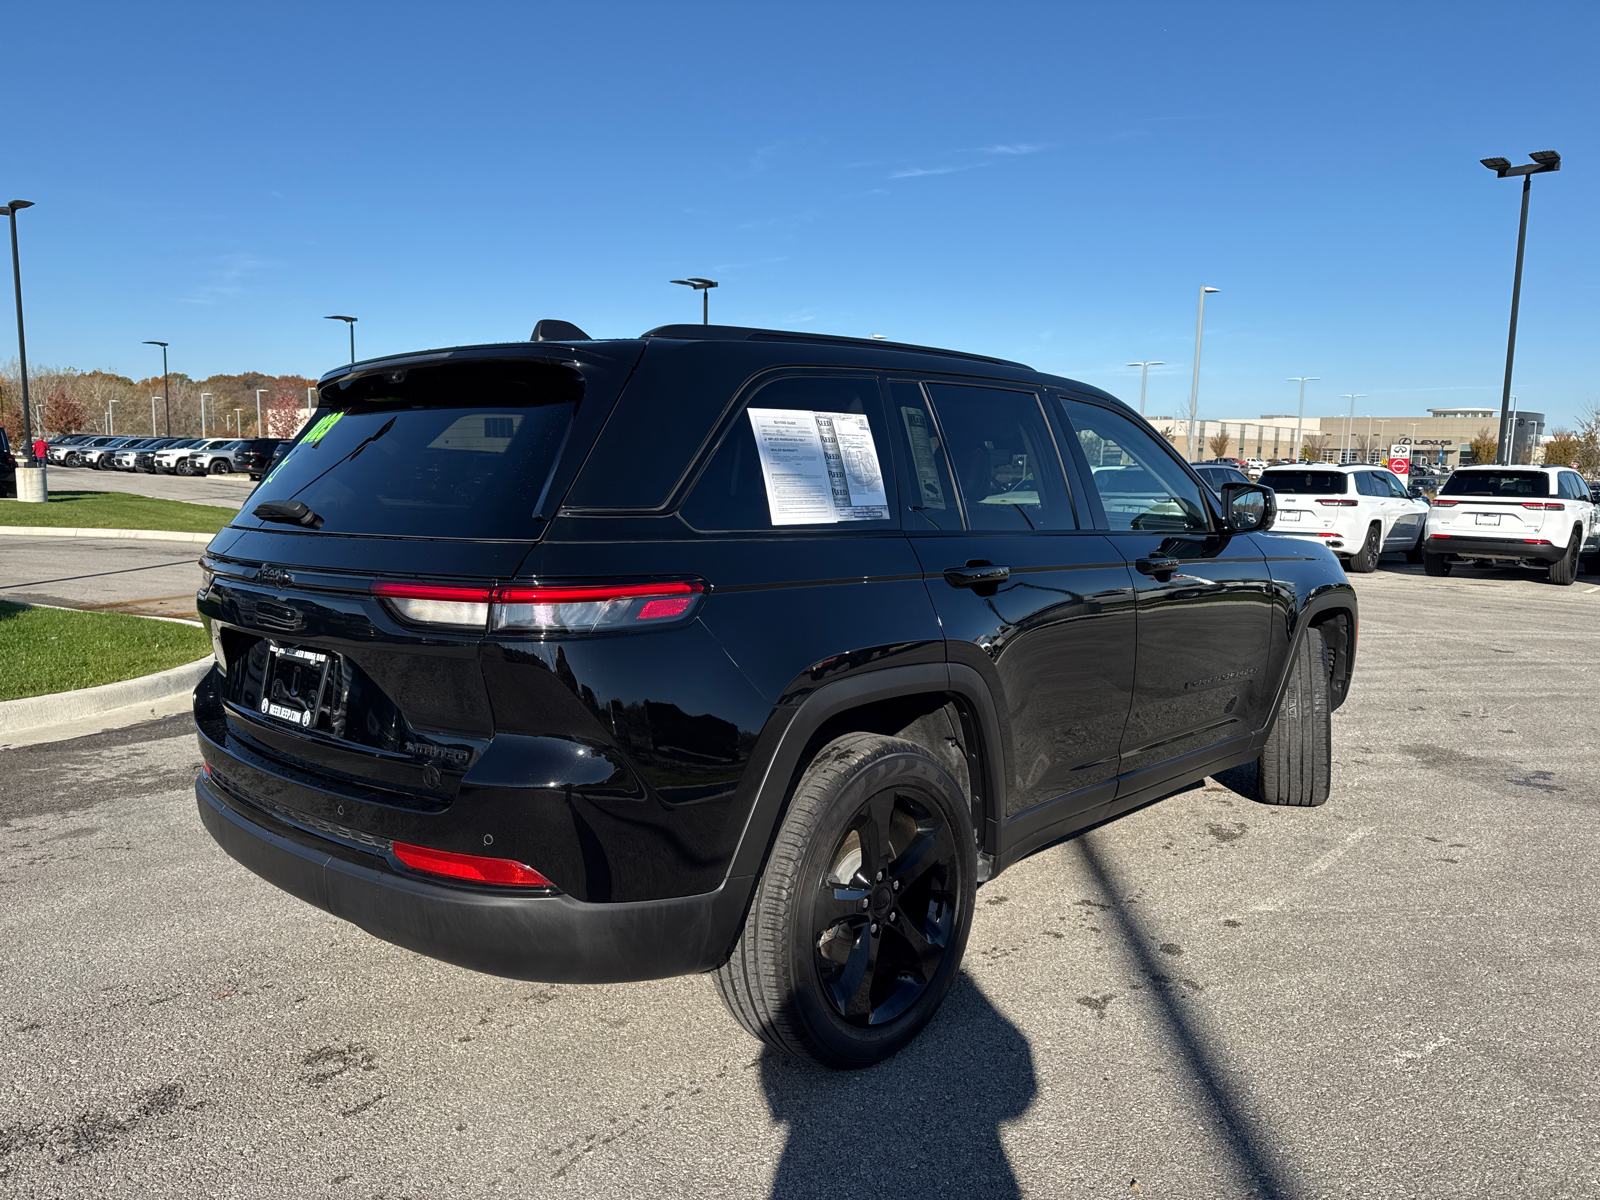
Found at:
<point>1444,436</point>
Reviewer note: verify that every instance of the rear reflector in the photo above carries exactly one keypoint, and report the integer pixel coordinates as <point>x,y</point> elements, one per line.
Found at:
<point>514,608</point>
<point>474,867</point>
<point>1339,503</point>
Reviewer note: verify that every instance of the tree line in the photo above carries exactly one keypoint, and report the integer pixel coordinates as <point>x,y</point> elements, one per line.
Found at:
<point>68,400</point>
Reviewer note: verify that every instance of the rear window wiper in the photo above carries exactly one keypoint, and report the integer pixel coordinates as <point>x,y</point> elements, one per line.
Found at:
<point>289,512</point>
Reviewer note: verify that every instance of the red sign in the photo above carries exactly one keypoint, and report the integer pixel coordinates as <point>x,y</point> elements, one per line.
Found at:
<point>1400,466</point>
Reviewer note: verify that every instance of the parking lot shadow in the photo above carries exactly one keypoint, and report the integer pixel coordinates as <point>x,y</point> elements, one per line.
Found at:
<point>925,1123</point>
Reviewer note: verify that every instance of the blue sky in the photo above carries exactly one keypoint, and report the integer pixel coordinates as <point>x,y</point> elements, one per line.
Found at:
<point>1044,182</point>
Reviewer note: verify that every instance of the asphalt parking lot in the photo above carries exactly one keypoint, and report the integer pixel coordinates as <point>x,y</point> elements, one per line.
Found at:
<point>1392,995</point>
<point>146,578</point>
<point>225,491</point>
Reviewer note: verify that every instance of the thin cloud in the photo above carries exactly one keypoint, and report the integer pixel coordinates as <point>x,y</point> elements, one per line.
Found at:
<point>971,158</point>
<point>229,278</point>
<point>1015,148</point>
<point>919,172</point>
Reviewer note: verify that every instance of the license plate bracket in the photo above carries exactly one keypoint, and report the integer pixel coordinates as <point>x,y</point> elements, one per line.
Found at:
<point>296,684</point>
<point>1488,518</point>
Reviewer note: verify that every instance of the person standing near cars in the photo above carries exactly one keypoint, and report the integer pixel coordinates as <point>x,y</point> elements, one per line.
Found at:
<point>40,449</point>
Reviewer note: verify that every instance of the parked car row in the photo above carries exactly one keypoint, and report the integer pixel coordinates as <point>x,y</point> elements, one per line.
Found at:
<point>165,456</point>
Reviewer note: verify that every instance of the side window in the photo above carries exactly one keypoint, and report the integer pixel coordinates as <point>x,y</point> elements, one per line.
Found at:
<point>1395,487</point>
<point>1573,486</point>
<point>1368,484</point>
<point>929,496</point>
<point>1004,458</point>
<point>804,450</point>
<point>1141,485</point>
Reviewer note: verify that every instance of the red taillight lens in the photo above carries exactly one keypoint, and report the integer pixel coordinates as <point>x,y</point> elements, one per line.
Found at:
<point>1339,503</point>
<point>473,867</point>
<point>1437,503</point>
<point>437,604</point>
<point>1545,507</point>
<point>588,607</point>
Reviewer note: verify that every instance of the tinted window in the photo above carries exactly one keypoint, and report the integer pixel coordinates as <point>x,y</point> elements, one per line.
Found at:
<point>929,493</point>
<point>1368,484</point>
<point>461,451</point>
<point>1142,486</point>
<point>1305,483</point>
<point>1393,484</point>
<point>1496,483</point>
<point>819,470</point>
<point>1005,462</point>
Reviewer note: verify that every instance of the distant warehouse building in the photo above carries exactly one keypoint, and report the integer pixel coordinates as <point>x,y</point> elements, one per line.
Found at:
<point>1443,437</point>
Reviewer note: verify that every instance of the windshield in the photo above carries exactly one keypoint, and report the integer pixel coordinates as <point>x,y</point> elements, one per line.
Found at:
<point>1496,483</point>
<point>460,451</point>
<point>1306,483</point>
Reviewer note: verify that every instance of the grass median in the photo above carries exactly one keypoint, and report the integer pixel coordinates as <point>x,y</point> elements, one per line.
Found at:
<point>45,650</point>
<point>115,510</point>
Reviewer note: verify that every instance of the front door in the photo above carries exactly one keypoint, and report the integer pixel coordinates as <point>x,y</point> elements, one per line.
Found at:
<point>1204,622</point>
<point>1054,634</point>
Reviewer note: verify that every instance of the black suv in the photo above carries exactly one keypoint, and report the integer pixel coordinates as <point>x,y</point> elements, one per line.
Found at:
<point>255,455</point>
<point>735,651</point>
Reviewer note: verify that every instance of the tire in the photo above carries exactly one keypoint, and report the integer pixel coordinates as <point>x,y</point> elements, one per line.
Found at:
<point>1295,767</point>
<point>1365,561</point>
<point>1436,564</point>
<point>1416,553</point>
<point>1565,569</point>
<point>222,467</point>
<point>870,812</point>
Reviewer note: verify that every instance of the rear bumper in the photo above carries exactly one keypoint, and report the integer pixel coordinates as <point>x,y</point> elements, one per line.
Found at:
<point>1481,547</point>
<point>547,938</point>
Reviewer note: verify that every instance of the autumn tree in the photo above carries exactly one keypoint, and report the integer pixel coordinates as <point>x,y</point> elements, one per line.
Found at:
<point>1484,446</point>
<point>1314,447</point>
<point>1218,444</point>
<point>63,413</point>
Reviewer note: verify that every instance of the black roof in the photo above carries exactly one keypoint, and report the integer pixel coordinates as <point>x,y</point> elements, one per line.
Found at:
<point>740,333</point>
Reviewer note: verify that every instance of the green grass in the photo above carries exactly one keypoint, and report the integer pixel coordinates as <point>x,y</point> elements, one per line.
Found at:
<point>44,650</point>
<point>115,510</point>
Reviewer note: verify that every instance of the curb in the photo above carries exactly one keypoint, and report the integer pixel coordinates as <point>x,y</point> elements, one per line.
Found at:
<point>139,535</point>
<point>31,712</point>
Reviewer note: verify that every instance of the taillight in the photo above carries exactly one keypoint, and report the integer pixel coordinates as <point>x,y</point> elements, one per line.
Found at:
<point>437,604</point>
<point>542,608</point>
<point>583,609</point>
<point>474,867</point>
<point>1437,503</point>
<point>1339,503</point>
<point>1545,507</point>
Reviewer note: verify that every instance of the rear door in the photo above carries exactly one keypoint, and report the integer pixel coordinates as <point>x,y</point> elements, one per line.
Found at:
<point>1030,595</point>
<point>1203,626</point>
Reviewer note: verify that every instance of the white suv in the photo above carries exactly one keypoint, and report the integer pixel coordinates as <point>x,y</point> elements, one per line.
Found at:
<point>1541,517</point>
<point>1357,511</point>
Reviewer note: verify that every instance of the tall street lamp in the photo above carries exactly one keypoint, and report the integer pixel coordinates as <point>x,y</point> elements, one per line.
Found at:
<point>165,389</point>
<point>1194,388</point>
<point>351,322</point>
<point>204,396</point>
<point>258,410</point>
<point>1144,376</point>
<point>1543,160</point>
<point>11,210</point>
<point>703,286</point>
<point>153,400</point>
<point>1352,397</point>
<point>1300,420</point>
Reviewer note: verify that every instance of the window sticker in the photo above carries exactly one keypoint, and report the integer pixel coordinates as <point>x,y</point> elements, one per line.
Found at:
<point>820,468</point>
<point>922,452</point>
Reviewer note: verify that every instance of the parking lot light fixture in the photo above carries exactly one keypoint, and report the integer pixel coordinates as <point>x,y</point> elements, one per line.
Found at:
<point>258,410</point>
<point>204,396</point>
<point>1144,375</point>
<point>350,322</point>
<point>165,389</point>
<point>703,286</point>
<point>1350,421</point>
<point>1300,420</point>
<point>1194,387</point>
<point>1543,160</point>
<point>11,210</point>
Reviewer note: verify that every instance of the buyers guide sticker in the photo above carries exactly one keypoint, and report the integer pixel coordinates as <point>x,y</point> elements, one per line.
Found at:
<point>820,468</point>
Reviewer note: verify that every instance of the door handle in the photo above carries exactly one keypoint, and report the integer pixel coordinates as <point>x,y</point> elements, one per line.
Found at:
<point>976,576</point>
<point>1157,565</point>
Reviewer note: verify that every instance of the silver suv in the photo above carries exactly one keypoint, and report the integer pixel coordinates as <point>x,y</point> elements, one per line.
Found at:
<point>216,459</point>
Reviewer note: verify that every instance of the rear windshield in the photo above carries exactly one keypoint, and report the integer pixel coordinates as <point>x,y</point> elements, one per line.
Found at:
<point>1496,483</point>
<point>1306,483</point>
<point>458,451</point>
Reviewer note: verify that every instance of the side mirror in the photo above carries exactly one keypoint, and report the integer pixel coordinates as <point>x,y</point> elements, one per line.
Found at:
<point>1248,507</point>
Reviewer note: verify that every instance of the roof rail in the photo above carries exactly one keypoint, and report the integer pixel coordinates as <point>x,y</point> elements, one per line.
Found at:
<point>740,333</point>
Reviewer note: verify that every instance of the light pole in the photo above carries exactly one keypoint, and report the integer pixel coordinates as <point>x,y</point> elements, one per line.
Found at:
<point>703,286</point>
<point>1194,387</point>
<point>153,400</point>
<point>204,396</point>
<point>238,428</point>
<point>258,410</point>
<point>1543,160</point>
<point>1300,420</point>
<point>11,210</point>
<point>1144,376</point>
<point>1350,421</point>
<point>351,322</point>
<point>165,389</point>
<point>111,427</point>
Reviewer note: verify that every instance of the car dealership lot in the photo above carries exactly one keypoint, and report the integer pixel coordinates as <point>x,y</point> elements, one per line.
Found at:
<point>1388,995</point>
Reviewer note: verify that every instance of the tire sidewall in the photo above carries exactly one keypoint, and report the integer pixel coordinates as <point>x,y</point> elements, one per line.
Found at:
<point>906,770</point>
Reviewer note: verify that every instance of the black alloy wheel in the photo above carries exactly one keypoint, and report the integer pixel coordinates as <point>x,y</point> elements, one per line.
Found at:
<point>222,467</point>
<point>1565,569</point>
<point>1365,561</point>
<point>885,911</point>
